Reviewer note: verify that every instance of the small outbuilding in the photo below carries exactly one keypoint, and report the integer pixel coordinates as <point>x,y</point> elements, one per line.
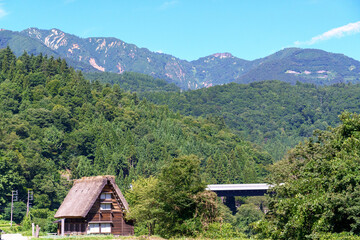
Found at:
<point>94,205</point>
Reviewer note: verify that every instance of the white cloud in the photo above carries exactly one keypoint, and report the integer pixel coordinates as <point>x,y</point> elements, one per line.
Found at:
<point>351,28</point>
<point>168,4</point>
<point>3,13</point>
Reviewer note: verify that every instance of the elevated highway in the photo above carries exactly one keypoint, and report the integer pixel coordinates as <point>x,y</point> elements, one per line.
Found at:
<point>230,191</point>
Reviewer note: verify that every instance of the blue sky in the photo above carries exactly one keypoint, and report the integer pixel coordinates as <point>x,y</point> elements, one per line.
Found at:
<point>190,29</point>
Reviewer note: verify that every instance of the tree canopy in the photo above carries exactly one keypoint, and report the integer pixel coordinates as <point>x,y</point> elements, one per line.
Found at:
<point>175,203</point>
<point>321,190</point>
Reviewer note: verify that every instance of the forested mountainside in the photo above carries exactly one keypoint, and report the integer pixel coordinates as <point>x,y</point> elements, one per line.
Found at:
<point>304,65</point>
<point>134,82</point>
<point>113,55</point>
<point>55,126</point>
<point>274,114</point>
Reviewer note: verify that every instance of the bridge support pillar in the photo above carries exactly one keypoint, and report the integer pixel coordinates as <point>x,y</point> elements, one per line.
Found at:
<point>230,203</point>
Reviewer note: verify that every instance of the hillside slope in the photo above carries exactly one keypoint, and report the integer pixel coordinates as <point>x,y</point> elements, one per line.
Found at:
<point>274,114</point>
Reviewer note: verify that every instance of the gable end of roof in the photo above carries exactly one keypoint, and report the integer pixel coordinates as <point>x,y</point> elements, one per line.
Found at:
<point>83,195</point>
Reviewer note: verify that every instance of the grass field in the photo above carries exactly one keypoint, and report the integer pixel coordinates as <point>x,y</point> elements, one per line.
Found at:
<point>101,237</point>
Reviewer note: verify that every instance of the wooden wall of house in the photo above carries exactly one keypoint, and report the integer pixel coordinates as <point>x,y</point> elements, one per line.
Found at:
<point>75,226</point>
<point>119,226</point>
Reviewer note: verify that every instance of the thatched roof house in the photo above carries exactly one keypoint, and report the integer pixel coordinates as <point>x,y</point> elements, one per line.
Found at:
<point>94,205</point>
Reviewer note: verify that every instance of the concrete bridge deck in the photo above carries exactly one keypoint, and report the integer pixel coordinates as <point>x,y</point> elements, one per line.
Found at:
<point>226,190</point>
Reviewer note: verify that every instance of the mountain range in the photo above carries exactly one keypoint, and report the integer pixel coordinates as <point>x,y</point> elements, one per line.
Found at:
<point>100,54</point>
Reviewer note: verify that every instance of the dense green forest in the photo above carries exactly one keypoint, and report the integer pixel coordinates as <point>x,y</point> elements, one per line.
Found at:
<point>55,125</point>
<point>273,114</point>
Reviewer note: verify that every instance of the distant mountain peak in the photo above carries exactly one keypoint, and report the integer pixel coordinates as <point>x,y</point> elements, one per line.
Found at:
<point>223,55</point>
<point>57,31</point>
<point>53,38</point>
<point>31,31</point>
<point>35,33</point>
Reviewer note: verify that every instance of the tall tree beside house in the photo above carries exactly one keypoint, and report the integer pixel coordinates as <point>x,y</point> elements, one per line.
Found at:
<point>179,183</point>
<point>144,201</point>
<point>175,203</point>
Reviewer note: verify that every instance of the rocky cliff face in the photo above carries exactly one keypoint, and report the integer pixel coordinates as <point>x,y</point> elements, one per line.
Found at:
<point>114,55</point>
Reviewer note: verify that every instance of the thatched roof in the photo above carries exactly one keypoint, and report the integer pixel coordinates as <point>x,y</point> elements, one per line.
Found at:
<point>83,195</point>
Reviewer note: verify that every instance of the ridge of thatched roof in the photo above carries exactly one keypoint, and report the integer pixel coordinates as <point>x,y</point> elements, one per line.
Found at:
<point>83,195</point>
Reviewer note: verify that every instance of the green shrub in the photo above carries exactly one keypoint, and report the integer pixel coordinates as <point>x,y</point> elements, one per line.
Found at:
<point>13,229</point>
<point>140,229</point>
<point>247,214</point>
<point>222,231</point>
<point>44,218</point>
<point>334,236</point>
<point>26,223</point>
<point>19,211</point>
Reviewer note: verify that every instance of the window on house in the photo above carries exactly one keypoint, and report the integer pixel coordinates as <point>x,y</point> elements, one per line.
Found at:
<point>105,206</point>
<point>93,228</point>
<point>105,228</point>
<point>105,196</point>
